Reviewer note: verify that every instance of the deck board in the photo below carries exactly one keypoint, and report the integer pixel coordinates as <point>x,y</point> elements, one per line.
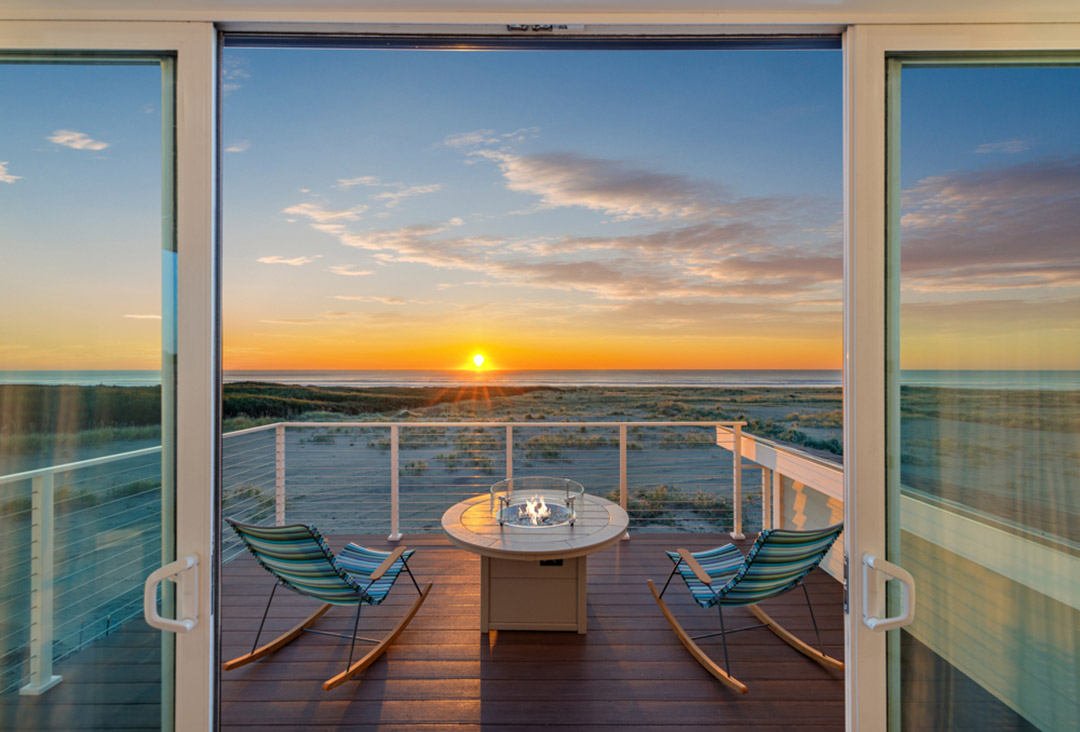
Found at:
<point>628,672</point>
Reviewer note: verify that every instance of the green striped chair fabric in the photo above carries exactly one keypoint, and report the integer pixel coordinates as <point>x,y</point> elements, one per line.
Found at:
<point>299,558</point>
<point>776,563</point>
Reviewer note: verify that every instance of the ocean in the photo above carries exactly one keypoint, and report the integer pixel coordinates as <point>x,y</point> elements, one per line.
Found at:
<point>1039,380</point>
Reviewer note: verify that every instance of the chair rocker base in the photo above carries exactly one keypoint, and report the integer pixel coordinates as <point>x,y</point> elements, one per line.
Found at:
<point>279,642</point>
<point>370,657</point>
<point>695,650</point>
<point>788,637</point>
<point>380,648</point>
<point>713,668</point>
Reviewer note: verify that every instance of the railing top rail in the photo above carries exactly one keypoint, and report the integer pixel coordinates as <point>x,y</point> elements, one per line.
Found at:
<point>530,423</point>
<point>251,430</point>
<point>30,474</point>
<point>801,454</point>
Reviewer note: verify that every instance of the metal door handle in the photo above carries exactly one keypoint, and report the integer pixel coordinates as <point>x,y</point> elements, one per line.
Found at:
<point>907,593</point>
<point>187,596</point>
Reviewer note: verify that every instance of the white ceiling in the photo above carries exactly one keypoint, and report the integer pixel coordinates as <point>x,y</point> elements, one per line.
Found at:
<point>592,11</point>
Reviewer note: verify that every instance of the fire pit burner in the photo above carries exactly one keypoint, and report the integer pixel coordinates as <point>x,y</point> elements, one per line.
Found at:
<point>547,502</point>
<point>536,513</point>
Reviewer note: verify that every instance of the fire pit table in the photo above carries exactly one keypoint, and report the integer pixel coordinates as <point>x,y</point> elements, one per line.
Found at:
<point>533,536</point>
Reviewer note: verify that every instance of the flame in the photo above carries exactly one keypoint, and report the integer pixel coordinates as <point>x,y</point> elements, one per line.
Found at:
<point>535,509</point>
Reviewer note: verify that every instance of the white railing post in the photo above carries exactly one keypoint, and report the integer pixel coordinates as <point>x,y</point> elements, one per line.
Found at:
<point>279,475</point>
<point>777,499</point>
<point>766,499</point>
<point>737,477</point>
<point>395,484</point>
<point>622,472</point>
<point>509,451</point>
<point>41,587</point>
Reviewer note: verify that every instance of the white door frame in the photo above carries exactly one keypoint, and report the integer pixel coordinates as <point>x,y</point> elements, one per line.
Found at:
<point>866,48</point>
<point>195,46</point>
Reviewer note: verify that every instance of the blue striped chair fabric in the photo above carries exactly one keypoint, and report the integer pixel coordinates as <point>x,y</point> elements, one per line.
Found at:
<point>299,558</point>
<point>776,563</point>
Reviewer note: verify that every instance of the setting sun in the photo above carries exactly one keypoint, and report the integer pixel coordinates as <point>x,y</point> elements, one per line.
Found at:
<point>478,360</point>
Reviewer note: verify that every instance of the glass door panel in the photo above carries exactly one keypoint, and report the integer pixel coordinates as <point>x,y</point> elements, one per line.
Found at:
<point>87,359</point>
<point>984,504</point>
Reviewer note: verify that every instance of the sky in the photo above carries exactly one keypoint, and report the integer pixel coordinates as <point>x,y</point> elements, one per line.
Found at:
<point>551,209</point>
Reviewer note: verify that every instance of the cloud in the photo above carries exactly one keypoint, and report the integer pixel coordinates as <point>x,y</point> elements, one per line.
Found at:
<point>1006,146</point>
<point>468,139</point>
<point>143,317</point>
<point>317,213</point>
<point>1009,227</point>
<point>393,198</point>
<point>613,187</point>
<point>348,270</point>
<point>706,243</point>
<point>364,180</point>
<point>5,176</point>
<point>700,261</point>
<point>489,137</point>
<point>239,146</point>
<point>372,298</point>
<point>294,262</point>
<point>233,69</point>
<point>76,140</point>
<point>287,321</point>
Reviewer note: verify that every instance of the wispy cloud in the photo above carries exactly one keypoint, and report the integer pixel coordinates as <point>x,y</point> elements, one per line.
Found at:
<point>709,246</point>
<point>372,298</point>
<point>294,262</point>
<point>321,215</point>
<point>288,321</point>
<point>1005,146</point>
<point>239,146</point>
<point>613,187</point>
<point>393,198</point>
<point>5,176</point>
<point>349,270</point>
<point>489,137</point>
<point>76,140</point>
<point>468,139</point>
<point>364,180</point>
<point>143,317</point>
<point>234,69</point>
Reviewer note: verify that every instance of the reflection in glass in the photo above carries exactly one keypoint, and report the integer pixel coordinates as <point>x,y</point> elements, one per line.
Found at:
<point>84,481</point>
<point>986,500</point>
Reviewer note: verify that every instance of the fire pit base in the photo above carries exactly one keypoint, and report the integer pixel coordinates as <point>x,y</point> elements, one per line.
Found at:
<point>534,578</point>
<point>537,595</point>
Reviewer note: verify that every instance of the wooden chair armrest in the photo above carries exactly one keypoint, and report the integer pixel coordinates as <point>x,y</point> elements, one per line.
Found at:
<point>692,563</point>
<point>381,569</point>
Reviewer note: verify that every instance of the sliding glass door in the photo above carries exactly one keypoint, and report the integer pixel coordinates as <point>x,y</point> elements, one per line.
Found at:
<point>91,366</point>
<point>984,505</point>
<point>976,508</point>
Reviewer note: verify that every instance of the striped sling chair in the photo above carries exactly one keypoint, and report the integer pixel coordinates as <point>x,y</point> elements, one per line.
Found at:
<point>778,562</point>
<point>299,559</point>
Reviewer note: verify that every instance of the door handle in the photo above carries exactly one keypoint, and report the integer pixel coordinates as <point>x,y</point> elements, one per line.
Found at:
<point>907,593</point>
<point>185,573</point>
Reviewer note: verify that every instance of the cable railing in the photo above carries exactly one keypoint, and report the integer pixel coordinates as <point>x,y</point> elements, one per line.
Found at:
<point>83,579</point>
<point>670,476</point>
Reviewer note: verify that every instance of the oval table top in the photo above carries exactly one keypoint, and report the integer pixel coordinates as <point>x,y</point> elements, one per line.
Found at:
<point>470,526</point>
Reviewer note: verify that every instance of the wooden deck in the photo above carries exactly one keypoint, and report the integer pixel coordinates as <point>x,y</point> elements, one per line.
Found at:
<point>628,672</point>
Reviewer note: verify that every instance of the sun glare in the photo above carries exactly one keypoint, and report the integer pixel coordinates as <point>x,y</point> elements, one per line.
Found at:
<point>478,360</point>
